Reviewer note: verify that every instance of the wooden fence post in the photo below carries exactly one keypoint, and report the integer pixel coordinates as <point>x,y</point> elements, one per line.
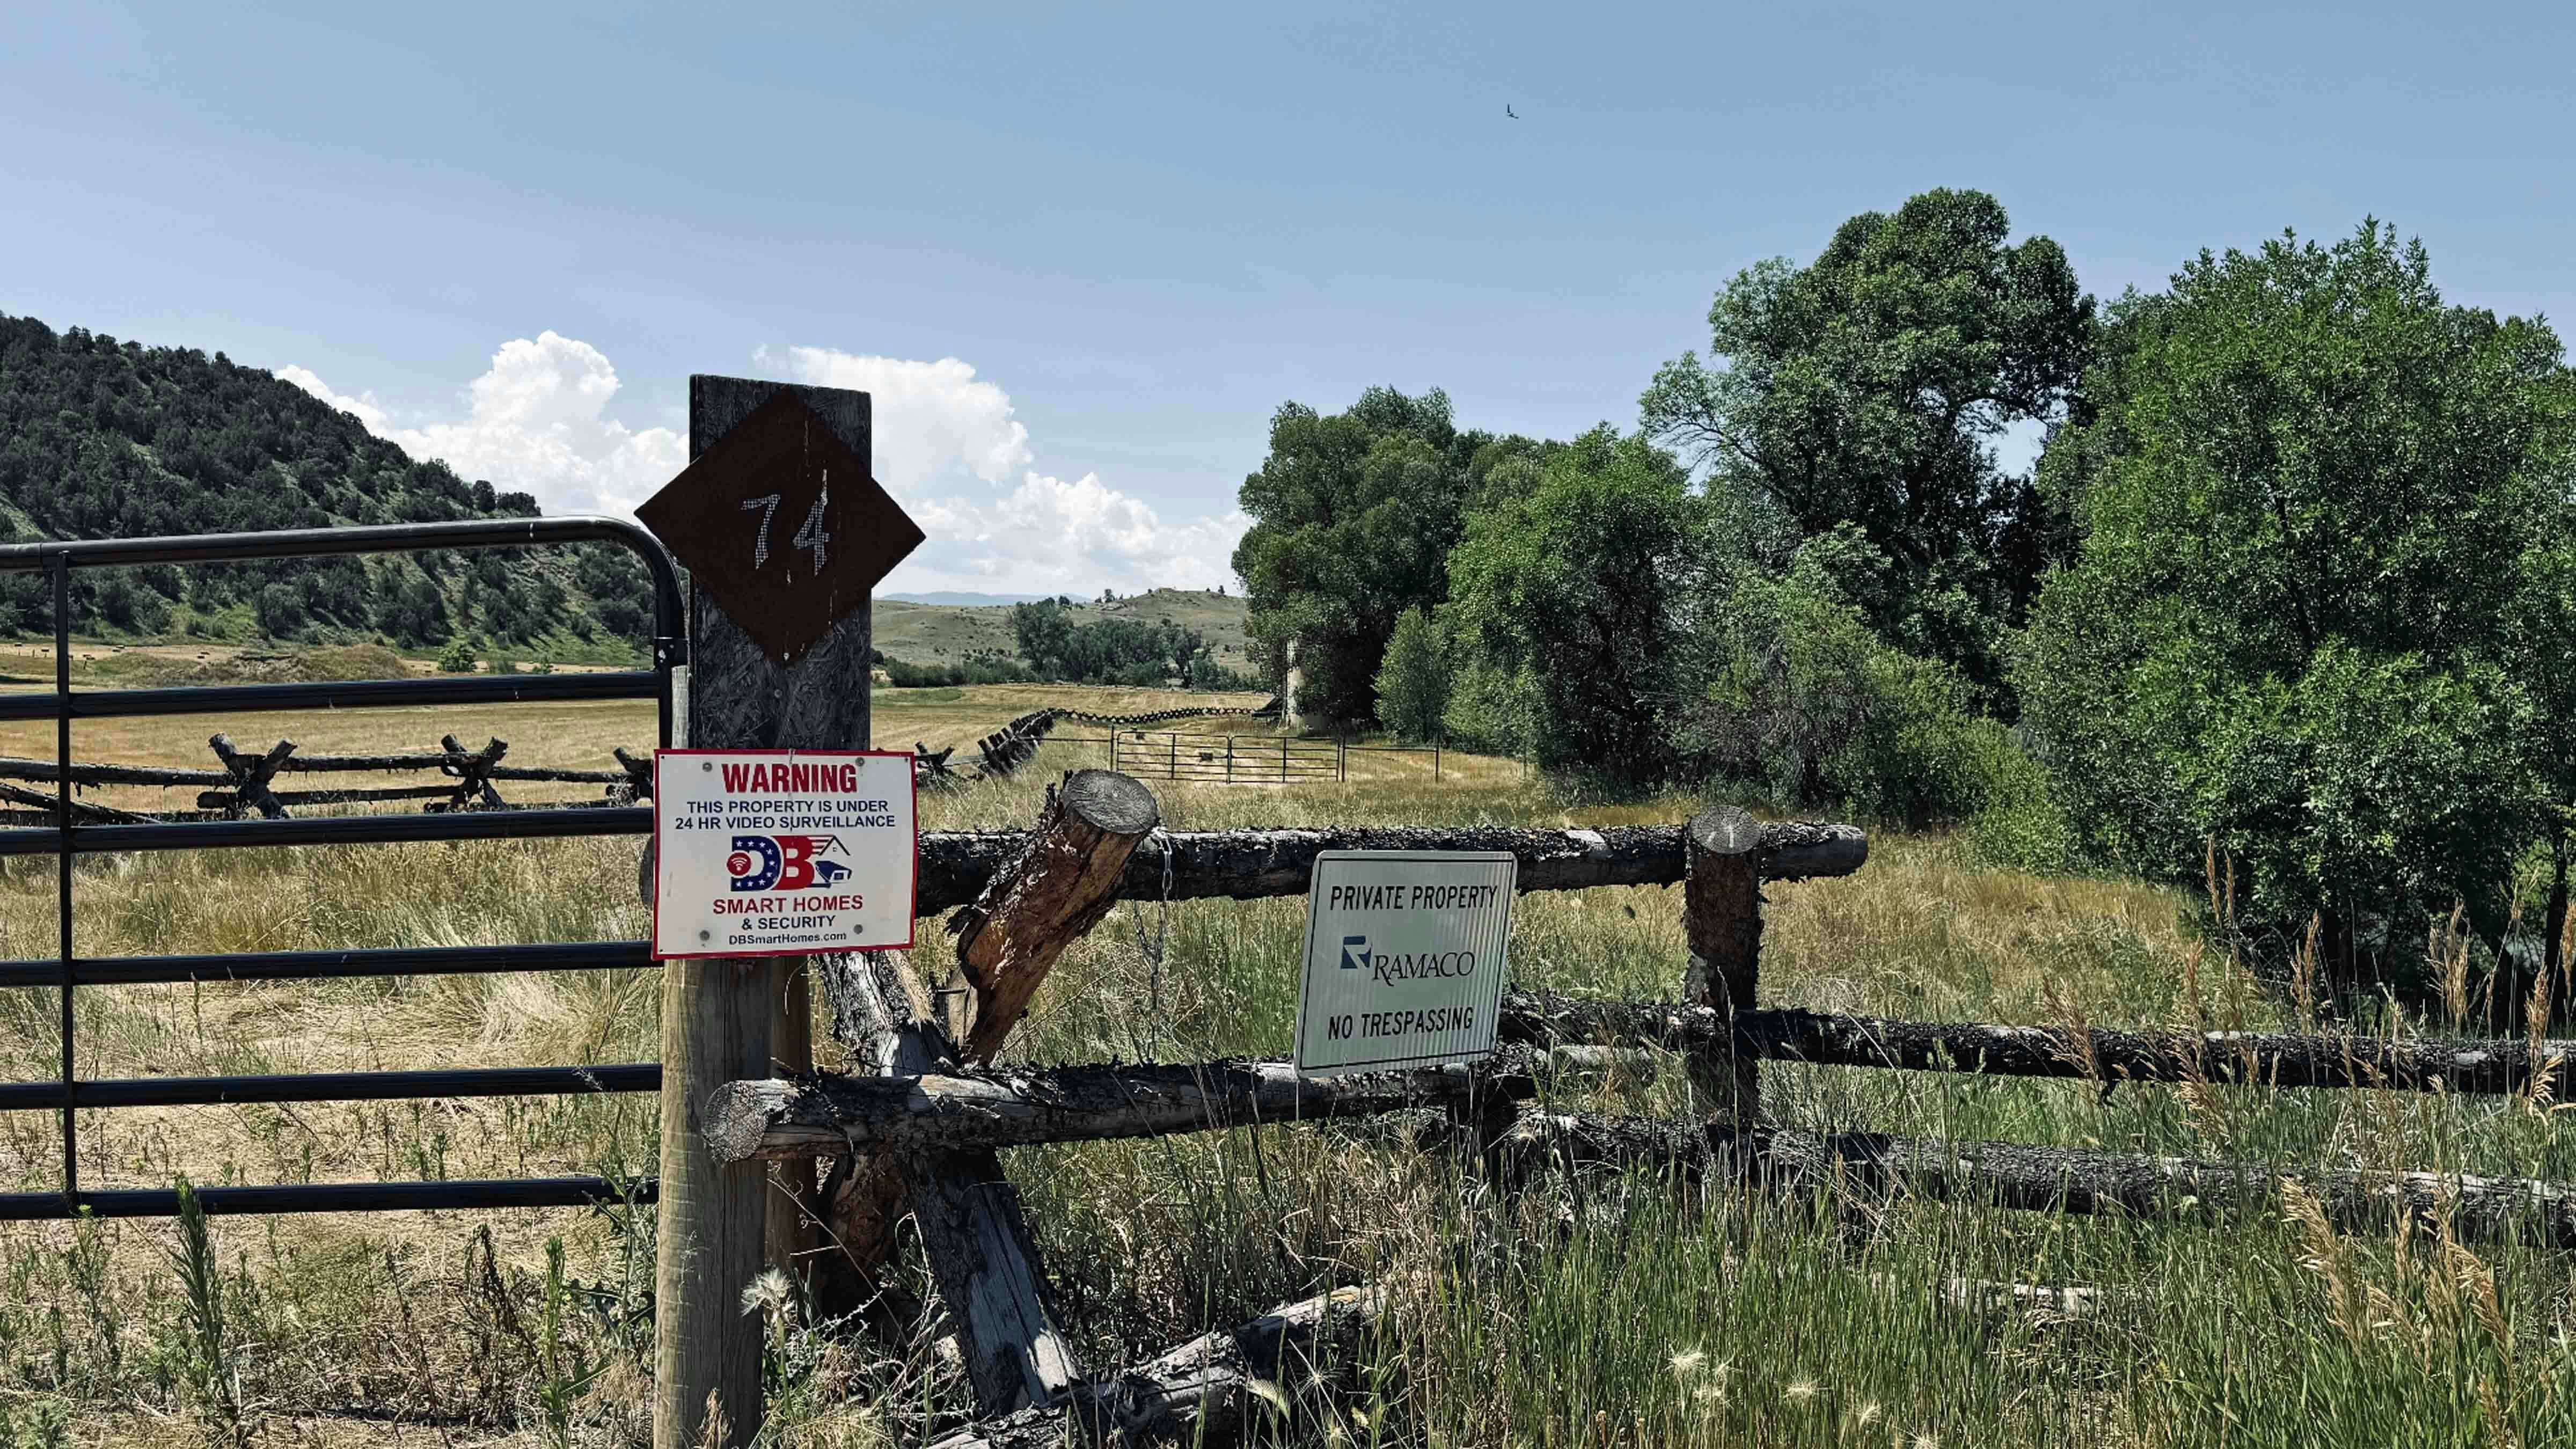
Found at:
<point>718,1013</point>
<point>1722,921</point>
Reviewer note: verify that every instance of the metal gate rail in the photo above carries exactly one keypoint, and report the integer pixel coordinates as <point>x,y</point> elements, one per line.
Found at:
<point>67,841</point>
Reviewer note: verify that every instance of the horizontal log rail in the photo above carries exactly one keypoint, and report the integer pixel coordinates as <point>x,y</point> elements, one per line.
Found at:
<point>1251,864</point>
<point>979,1110</point>
<point>2052,1179</point>
<point>85,773</point>
<point>2483,1066</point>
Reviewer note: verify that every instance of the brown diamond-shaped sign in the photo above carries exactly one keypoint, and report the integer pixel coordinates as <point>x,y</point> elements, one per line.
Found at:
<point>780,523</point>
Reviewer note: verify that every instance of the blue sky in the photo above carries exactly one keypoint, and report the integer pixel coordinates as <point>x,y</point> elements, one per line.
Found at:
<point>1082,252</point>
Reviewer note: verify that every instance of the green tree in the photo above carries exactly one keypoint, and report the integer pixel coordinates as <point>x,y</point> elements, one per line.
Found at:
<point>1866,389</point>
<point>1413,683</point>
<point>1567,595</point>
<point>2310,496</point>
<point>1794,695</point>
<point>1354,515</point>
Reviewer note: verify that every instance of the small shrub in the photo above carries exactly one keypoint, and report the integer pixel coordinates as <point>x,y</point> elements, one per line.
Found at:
<point>460,656</point>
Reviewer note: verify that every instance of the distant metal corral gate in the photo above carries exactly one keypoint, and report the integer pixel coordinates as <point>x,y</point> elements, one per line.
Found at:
<point>67,840</point>
<point>1222,759</point>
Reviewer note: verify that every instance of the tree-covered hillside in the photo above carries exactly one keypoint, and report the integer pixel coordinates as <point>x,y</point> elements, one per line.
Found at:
<point>102,439</point>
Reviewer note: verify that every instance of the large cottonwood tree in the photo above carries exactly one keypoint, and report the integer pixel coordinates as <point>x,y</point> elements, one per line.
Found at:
<point>2315,504</point>
<point>1866,390</point>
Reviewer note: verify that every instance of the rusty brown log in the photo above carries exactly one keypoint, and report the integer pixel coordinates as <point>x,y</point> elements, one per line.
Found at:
<point>1064,880</point>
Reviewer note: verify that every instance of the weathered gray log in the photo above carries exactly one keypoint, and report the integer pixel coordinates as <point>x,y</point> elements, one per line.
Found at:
<point>1209,1391</point>
<point>1016,1107</point>
<point>986,1263</point>
<point>100,774</point>
<point>1250,864</point>
<point>2053,1179</point>
<point>2499,1066</point>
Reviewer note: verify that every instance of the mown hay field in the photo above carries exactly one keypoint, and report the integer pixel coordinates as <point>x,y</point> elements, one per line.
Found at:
<point>1592,1314</point>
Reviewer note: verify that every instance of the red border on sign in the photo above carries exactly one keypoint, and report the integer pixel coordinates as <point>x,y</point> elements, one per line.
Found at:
<point>910,919</point>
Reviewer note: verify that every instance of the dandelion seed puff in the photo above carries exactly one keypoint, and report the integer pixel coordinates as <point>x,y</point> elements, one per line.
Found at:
<point>1800,1391</point>
<point>769,1291</point>
<point>1687,1362</point>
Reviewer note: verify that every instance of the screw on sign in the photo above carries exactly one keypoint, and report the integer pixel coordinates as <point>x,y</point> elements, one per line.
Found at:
<point>782,471</point>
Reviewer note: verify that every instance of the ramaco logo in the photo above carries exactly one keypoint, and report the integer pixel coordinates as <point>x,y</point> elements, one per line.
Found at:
<point>785,862</point>
<point>1404,965</point>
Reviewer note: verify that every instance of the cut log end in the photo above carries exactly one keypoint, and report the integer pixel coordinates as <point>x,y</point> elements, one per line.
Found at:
<point>1110,802</point>
<point>1725,830</point>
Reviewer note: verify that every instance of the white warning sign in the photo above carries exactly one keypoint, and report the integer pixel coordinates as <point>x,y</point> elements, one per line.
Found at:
<point>1404,958</point>
<point>782,852</point>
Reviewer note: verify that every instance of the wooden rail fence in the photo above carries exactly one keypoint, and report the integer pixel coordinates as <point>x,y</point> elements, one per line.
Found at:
<point>246,780</point>
<point>939,1112</point>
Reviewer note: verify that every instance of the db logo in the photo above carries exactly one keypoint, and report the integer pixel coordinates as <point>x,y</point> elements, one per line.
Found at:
<point>785,862</point>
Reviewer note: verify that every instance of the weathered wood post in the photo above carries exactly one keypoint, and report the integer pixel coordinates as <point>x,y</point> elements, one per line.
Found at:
<point>802,684</point>
<point>1722,921</point>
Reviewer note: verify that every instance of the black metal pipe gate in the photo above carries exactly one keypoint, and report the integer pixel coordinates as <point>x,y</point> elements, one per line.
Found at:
<point>67,841</point>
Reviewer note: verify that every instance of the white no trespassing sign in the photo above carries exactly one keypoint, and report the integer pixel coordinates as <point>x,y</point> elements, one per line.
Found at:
<point>782,852</point>
<point>1404,958</point>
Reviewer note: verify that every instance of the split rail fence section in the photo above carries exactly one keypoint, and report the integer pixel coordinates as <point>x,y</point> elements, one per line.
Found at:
<point>247,783</point>
<point>923,1131</point>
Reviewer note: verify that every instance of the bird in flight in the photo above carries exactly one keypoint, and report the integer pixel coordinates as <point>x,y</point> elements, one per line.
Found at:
<point>1507,110</point>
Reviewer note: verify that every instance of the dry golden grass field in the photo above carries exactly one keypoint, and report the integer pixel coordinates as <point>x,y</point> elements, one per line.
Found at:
<point>1634,1316</point>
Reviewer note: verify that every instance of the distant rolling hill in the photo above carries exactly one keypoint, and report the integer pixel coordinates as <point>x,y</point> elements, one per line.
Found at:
<point>970,601</point>
<point>107,439</point>
<point>942,633</point>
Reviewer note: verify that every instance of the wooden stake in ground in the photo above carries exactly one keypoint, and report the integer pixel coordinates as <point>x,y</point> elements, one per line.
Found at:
<point>718,1013</point>
<point>1722,920</point>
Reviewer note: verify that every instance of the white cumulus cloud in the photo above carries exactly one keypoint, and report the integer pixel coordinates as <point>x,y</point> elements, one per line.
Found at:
<point>941,430</point>
<point>363,407</point>
<point>946,445</point>
<point>535,421</point>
